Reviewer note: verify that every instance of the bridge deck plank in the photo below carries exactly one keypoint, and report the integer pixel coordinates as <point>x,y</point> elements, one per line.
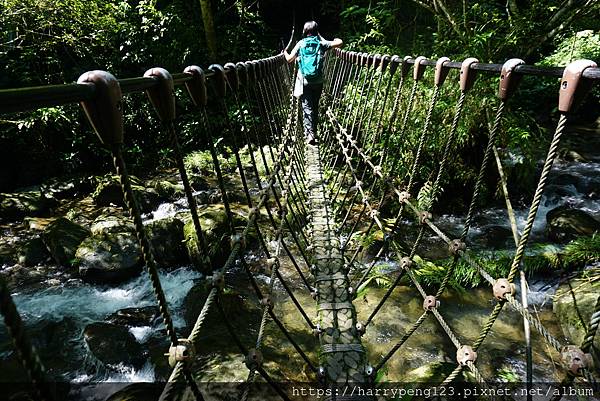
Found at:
<point>342,354</point>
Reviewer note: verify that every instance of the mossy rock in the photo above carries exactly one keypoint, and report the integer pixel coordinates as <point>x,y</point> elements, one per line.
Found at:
<point>573,306</point>
<point>112,254</point>
<point>109,192</point>
<point>215,227</point>
<point>20,204</point>
<point>62,238</point>
<point>168,190</point>
<point>564,223</point>
<point>109,257</point>
<point>434,372</point>
<point>112,223</point>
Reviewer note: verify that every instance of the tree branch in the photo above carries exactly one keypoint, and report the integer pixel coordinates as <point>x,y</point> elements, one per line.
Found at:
<point>560,13</point>
<point>448,16</point>
<point>552,33</point>
<point>443,14</point>
<point>425,6</point>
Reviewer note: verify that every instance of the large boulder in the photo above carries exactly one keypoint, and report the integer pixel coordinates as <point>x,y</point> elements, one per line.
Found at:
<point>108,192</point>
<point>20,204</point>
<point>112,253</point>
<point>142,316</point>
<point>109,257</point>
<point>168,190</point>
<point>112,223</point>
<point>62,237</point>
<point>564,224</point>
<point>215,227</point>
<point>113,344</point>
<point>573,306</point>
<point>166,236</point>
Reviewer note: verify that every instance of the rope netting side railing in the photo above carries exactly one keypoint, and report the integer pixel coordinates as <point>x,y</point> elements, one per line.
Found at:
<point>348,100</point>
<point>226,99</point>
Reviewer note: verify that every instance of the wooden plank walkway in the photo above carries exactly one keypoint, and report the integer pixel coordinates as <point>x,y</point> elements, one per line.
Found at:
<point>342,354</point>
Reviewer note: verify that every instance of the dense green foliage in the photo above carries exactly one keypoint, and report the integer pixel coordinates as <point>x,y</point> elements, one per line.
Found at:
<point>547,33</point>
<point>541,259</point>
<point>54,41</point>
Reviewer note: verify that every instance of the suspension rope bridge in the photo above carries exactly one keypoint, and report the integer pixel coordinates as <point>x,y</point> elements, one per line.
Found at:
<point>323,201</point>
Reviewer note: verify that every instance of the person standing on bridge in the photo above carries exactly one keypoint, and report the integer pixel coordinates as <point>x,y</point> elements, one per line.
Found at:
<point>310,52</point>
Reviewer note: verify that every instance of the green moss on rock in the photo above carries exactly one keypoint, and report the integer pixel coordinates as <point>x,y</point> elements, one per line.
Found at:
<point>62,238</point>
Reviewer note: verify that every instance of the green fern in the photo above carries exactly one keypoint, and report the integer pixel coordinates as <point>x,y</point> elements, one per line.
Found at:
<point>426,196</point>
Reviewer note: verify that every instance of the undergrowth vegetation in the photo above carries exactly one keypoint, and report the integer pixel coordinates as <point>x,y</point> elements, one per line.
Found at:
<point>542,258</point>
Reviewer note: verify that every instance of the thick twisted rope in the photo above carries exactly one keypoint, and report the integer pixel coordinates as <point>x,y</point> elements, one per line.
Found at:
<point>27,352</point>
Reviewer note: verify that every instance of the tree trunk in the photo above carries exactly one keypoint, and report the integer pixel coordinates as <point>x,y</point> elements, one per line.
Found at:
<point>209,29</point>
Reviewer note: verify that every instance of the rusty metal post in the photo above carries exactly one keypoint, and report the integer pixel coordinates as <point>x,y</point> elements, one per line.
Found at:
<point>198,92</point>
<point>162,97</point>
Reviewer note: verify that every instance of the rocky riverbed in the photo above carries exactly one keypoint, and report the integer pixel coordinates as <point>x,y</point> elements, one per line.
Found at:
<point>71,260</point>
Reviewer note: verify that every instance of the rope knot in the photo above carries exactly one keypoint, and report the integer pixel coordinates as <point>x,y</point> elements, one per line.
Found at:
<point>456,245</point>
<point>238,240</point>
<point>465,354</point>
<point>424,216</point>
<point>406,262</point>
<point>182,352</point>
<point>502,287</point>
<point>403,196</point>
<point>254,359</point>
<point>430,302</point>
<point>267,301</point>
<point>217,280</point>
<point>575,359</point>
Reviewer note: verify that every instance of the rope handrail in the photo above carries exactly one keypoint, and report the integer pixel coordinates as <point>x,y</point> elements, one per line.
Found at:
<point>577,70</point>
